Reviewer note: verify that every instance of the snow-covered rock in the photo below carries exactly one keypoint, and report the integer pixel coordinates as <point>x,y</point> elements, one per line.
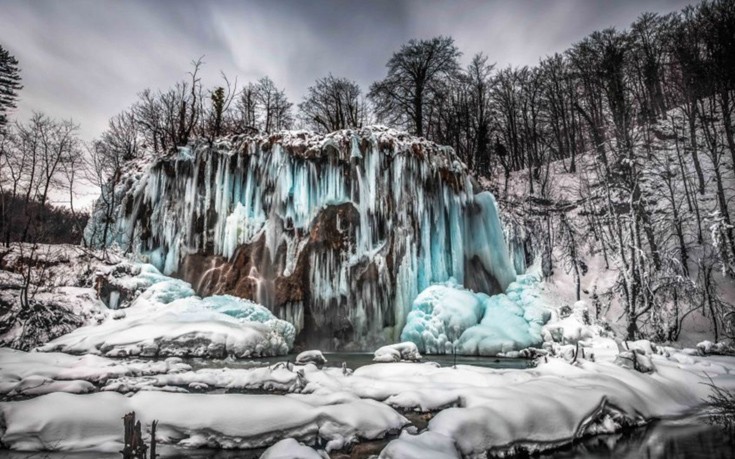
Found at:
<point>168,320</point>
<point>722,347</point>
<point>635,360</point>
<point>314,356</point>
<point>397,352</point>
<point>288,448</point>
<point>427,445</point>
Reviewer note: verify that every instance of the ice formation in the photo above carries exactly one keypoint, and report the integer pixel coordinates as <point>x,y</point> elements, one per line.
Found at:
<point>168,319</point>
<point>447,318</point>
<point>337,234</point>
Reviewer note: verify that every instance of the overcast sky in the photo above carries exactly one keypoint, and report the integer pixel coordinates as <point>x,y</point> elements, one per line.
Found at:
<point>88,59</point>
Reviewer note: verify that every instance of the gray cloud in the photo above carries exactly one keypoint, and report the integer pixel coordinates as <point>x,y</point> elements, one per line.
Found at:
<point>87,59</point>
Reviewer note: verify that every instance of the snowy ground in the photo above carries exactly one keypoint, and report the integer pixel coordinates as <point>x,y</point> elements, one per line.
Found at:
<point>473,409</point>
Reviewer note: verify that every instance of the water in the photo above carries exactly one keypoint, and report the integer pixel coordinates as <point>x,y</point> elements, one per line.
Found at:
<point>687,438</point>
<point>356,360</point>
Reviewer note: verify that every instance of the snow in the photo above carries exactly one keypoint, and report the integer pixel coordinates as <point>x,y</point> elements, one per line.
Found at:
<point>313,356</point>
<point>168,320</point>
<point>427,445</point>
<point>190,420</point>
<point>64,293</point>
<point>288,448</point>
<point>445,318</point>
<point>447,239</point>
<point>397,352</point>
<point>35,373</point>
<point>477,409</point>
<point>708,347</point>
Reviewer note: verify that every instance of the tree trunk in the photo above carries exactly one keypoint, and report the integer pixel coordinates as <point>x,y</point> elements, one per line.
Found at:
<point>693,142</point>
<point>727,121</point>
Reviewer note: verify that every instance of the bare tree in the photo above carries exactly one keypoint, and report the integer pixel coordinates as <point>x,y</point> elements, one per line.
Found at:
<point>246,109</point>
<point>274,106</point>
<point>333,104</point>
<point>169,119</point>
<point>417,73</point>
<point>35,156</point>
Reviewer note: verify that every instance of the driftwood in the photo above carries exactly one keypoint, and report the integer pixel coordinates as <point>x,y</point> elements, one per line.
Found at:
<point>133,445</point>
<point>153,439</point>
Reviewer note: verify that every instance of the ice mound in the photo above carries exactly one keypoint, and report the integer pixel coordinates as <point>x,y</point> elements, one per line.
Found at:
<point>167,319</point>
<point>446,315</point>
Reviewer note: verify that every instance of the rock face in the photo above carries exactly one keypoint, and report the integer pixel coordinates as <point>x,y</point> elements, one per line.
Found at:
<point>337,234</point>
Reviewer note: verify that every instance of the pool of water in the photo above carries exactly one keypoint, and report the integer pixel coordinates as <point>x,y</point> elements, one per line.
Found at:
<point>356,360</point>
<point>688,438</point>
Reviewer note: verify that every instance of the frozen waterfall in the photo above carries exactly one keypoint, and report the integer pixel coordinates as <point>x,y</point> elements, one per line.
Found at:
<point>337,234</point>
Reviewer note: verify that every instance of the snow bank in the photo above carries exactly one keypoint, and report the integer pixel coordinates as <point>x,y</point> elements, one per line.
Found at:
<point>24,374</point>
<point>37,373</point>
<point>168,320</point>
<point>446,315</point>
<point>93,422</point>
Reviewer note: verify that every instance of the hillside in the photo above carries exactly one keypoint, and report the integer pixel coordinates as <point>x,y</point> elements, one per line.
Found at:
<point>676,242</point>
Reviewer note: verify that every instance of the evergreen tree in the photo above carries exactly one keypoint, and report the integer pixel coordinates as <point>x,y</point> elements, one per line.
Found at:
<point>9,83</point>
<point>218,107</point>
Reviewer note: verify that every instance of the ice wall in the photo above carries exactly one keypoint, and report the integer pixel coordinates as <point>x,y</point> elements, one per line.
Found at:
<point>337,234</point>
